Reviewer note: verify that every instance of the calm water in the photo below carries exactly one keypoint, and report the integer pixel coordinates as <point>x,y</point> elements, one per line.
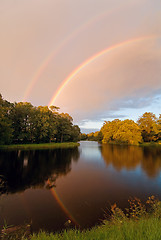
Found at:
<point>51,186</point>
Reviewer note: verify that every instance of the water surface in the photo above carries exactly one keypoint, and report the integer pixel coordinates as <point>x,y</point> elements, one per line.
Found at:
<point>48,187</point>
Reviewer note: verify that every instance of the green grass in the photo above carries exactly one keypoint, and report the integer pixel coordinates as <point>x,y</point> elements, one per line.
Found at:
<point>148,229</point>
<point>39,146</point>
<point>138,223</point>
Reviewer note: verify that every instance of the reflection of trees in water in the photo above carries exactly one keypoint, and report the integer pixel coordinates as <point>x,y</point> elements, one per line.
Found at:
<point>151,163</point>
<point>121,156</point>
<point>129,157</point>
<point>25,169</point>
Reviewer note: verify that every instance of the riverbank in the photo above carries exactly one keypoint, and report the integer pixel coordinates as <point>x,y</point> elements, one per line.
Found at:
<point>39,146</point>
<point>140,221</point>
<point>149,144</point>
<point>143,144</point>
<point>143,229</point>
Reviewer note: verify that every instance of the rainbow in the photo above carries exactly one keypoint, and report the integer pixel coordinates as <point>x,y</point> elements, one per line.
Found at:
<point>60,46</point>
<point>92,59</point>
<point>63,207</point>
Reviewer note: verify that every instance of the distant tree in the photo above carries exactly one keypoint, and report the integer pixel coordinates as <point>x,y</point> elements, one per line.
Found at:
<point>90,136</point>
<point>83,136</point>
<point>94,136</point>
<point>148,125</point>
<point>98,136</point>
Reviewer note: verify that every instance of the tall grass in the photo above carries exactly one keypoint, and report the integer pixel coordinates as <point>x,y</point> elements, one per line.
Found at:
<point>138,222</point>
<point>148,229</point>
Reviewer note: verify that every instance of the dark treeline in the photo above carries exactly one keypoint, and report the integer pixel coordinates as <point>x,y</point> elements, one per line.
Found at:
<point>23,123</point>
<point>146,129</point>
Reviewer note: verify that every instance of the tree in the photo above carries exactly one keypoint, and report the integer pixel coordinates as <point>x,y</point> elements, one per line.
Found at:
<point>148,125</point>
<point>83,136</point>
<point>23,123</point>
<point>118,131</point>
<point>75,133</point>
<point>128,132</point>
<point>109,129</point>
<point>63,128</point>
<point>21,115</point>
<point>159,127</point>
<point>46,124</point>
<point>5,122</point>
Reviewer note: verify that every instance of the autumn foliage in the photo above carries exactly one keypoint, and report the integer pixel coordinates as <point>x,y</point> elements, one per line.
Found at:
<point>147,129</point>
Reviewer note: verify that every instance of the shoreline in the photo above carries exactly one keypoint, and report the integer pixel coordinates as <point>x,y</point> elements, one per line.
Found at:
<point>39,146</point>
<point>140,221</point>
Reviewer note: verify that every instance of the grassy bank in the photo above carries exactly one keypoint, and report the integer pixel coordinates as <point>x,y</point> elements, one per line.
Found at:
<point>39,146</point>
<point>140,221</point>
<point>129,230</point>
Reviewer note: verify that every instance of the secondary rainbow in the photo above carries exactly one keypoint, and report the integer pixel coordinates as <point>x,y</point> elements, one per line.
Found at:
<point>59,47</point>
<point>92,59</point>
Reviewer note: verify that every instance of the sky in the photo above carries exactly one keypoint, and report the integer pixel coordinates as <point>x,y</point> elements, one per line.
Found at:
<point>95,59</point>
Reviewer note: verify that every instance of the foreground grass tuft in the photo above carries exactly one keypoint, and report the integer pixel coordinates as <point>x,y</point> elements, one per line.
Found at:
<point>149,229</point>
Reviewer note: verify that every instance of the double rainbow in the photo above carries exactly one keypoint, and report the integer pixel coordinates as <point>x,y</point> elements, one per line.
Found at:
<point>92,59</point>
<point>58,49</point>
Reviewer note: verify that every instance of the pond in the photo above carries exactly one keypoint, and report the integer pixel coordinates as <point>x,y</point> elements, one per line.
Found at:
<point>50,187</point>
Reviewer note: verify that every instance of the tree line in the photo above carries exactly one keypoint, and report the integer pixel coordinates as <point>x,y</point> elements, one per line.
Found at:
<point>146,129</point>
<point>23,123</point>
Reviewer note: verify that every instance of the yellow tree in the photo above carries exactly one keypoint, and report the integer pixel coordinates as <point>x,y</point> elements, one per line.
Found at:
<point>148,125</point>
<point>109,129</point>
<point>128,132</point>
<point>118,131</point>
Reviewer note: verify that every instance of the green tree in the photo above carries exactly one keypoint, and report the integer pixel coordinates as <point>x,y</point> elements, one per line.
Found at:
<point>75,133</point>
<point>21,121</point>
<point>5,122</point>
<point>45,124</point>
<point>63,128</point>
